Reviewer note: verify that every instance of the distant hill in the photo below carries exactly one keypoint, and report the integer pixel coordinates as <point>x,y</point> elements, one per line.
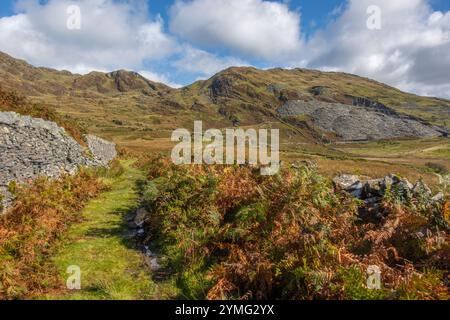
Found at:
<point>126,107</point>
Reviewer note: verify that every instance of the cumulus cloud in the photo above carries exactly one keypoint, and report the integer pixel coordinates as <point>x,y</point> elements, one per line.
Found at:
<point>203,63</point>
<point>256,28</point>
<point>161,78</point>
<point>409,52</point>
<point>113,35</point>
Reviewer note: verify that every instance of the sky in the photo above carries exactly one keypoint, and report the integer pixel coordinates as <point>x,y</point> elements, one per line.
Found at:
<point>404,43</point>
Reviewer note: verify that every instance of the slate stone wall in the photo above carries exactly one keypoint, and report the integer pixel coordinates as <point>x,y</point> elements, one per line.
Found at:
<point>31,147</point>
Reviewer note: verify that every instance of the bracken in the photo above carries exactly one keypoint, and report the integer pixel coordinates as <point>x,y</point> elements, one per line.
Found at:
<point>30,230</point>
<point>230,233</point>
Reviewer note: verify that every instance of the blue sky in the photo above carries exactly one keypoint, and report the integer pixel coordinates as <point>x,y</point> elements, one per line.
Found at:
<point>178,42</point>
<point>315,13</point>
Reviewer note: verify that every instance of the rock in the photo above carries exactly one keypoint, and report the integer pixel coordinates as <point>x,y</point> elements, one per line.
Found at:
<point>373,191</point>
<point>141,215</point>
<point>406,184</point>
<point>365,120</point>
<point>221,86</point>
<point>345,181</point>
<point>356,190</point>
<point>305,163</point>
<point>350,184</point>
<point>439,197</point>
<point>372,201</point>
<point>151,260</point>
<point>103,151</point>
<point>405,188</point>
<point>421,189</point>
<point>390,180</point>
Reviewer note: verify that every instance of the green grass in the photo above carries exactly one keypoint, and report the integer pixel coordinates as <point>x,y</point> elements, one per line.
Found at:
<point>111,267</point>
<point>441,152</point>
<point>395,148</point>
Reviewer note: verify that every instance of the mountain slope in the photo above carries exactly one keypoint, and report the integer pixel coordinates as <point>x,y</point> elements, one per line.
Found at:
<point>126,107</point>
<point>270,88</point>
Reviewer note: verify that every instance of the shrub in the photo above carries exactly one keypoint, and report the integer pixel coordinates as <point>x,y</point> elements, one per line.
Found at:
<point>230,233</point>
<point>30,230</point>
<point>437,167</point>
<point>114,170</point>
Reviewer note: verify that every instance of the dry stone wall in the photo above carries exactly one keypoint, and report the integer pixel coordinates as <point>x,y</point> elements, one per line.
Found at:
<point>31,147</point>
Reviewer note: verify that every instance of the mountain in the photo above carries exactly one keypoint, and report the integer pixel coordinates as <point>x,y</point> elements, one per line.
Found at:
<point>310,106</point>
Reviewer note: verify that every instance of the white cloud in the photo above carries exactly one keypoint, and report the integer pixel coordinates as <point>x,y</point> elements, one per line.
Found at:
<point>204,63</point>
<point>161,78</point>
<point>113,35</point>
<point>411,51</point>
<point>261,29</point>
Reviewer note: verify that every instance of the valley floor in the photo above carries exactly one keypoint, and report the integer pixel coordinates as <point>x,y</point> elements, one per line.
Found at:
<point>103,247</point>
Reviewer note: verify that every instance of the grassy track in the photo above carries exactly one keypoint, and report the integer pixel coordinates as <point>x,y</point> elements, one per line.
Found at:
<point>111,267</point>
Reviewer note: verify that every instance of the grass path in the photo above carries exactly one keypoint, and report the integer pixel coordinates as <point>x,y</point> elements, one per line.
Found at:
<point>111,267</point>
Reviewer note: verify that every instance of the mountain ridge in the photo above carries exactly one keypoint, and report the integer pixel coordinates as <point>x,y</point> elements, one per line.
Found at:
<point>124,105</point>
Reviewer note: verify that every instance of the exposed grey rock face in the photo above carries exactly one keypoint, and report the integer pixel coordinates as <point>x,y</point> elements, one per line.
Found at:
<point>364,120</point>
<point>31,147</point>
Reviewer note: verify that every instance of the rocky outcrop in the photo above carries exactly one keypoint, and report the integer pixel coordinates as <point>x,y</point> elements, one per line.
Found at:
<point>31,147</point>
<point>364,120</point>
<point>221,87</point>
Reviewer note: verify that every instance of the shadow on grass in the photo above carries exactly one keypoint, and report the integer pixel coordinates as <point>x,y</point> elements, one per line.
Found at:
<point>127,231</point>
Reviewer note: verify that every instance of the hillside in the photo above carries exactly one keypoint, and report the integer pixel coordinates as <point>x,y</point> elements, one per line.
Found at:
<point>134,112</point>
<point>270,88</point>
<point>117,102</point>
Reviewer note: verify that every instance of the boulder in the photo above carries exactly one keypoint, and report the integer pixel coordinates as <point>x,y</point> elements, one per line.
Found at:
<point>141,215</point>
<point>439,197</point>
<point>345,181</point>
<point>350,184</point>
<point>421,189</point>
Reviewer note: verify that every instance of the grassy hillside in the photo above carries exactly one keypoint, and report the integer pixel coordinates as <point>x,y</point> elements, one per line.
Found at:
<point>11,102</point>
<point>119,103</point>
<point>141,115</point>
<point>266,88</point>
